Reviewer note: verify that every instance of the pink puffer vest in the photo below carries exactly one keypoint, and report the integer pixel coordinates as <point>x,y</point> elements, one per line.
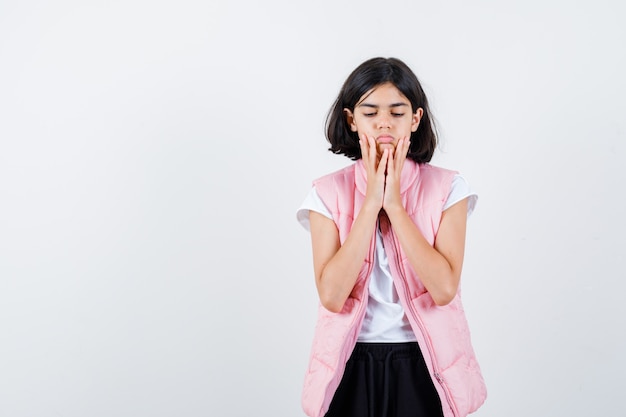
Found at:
<point>442,331</point>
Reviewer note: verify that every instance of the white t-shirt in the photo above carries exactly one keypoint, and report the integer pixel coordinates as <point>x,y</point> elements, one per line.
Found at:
<point>385,320</point>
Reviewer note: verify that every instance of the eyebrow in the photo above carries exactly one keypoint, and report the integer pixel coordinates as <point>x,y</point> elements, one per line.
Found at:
<point>375,106</point>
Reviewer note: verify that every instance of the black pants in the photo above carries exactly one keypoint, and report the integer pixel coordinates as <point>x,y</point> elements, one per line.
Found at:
<point>386,380</point>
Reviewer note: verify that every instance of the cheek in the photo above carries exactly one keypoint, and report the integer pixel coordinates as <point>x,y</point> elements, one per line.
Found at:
<point>363,126</point>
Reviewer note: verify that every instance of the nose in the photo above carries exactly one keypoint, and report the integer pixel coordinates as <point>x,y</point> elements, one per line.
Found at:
<point>384,122</point>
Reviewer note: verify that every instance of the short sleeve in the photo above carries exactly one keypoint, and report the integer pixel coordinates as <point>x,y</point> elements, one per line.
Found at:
<point>459,190</point>
<point>311,202</point>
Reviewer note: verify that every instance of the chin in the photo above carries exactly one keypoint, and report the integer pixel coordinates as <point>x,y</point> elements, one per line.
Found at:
<point>383,146</point>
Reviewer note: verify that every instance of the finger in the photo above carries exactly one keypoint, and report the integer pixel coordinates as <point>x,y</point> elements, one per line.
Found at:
<point>372,147</point>
<point>382,165</point>
<point>366,150</point>
<point>363,145</point>
<point>407,145</point>
<point>403,145</point>
<point>390,163</point>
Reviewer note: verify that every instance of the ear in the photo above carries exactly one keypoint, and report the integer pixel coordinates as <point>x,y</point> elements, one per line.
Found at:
<point>417,116</point>
<point>350,119</point>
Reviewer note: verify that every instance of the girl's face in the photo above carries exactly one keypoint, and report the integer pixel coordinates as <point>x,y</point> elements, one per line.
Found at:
<point>384,113</point>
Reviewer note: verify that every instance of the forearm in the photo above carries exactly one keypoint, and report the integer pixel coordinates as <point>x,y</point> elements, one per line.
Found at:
<point>435,271</point>
<point>338,277</point>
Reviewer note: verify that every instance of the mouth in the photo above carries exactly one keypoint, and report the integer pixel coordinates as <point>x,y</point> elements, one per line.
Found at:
<point>384,139</point>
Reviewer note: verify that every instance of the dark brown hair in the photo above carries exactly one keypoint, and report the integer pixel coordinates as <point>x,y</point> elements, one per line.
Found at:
<point>370,74</point>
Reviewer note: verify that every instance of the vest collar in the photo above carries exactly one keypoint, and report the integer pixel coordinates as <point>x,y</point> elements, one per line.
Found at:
<point>410,174</point>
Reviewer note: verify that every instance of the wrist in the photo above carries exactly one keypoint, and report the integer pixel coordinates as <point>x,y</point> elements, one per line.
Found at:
<point>394,210</point>
<point>370,207</point>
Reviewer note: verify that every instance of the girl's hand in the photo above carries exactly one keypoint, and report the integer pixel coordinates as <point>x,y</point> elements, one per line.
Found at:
<point>375,172</point>
<point>395,162</point>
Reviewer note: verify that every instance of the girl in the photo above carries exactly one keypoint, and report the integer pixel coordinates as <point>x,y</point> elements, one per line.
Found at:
<point>388,237</point>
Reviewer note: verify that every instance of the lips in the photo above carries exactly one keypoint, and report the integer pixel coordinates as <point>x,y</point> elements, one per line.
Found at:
<point>384,139</point>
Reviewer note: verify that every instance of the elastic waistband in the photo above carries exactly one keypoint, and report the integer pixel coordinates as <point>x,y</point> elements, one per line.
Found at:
<point>382,351</point>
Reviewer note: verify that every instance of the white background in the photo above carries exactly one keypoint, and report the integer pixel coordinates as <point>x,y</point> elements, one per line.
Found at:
<point>153,155</point>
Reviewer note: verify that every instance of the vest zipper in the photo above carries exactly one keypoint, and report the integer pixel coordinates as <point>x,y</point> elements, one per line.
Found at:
<point>429,347</point>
